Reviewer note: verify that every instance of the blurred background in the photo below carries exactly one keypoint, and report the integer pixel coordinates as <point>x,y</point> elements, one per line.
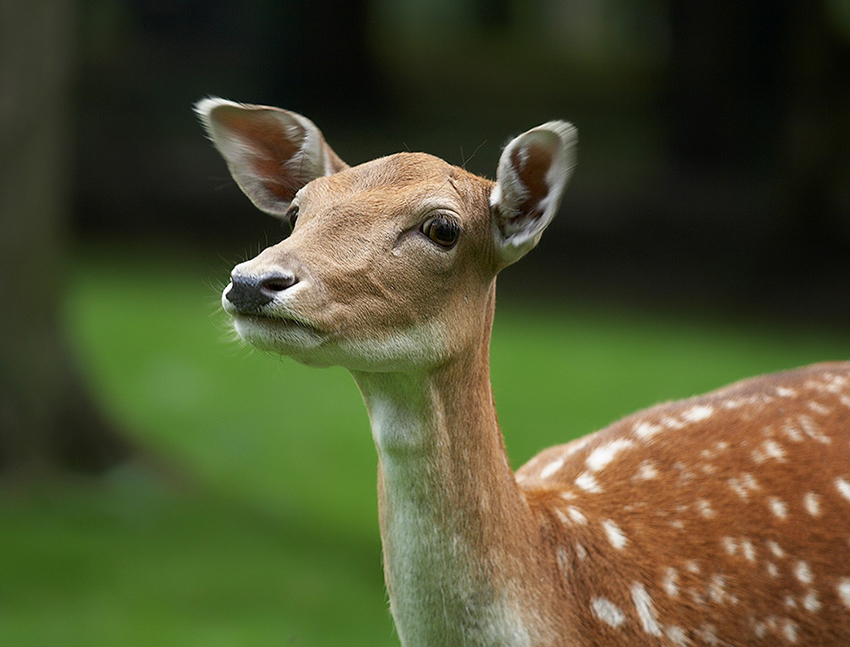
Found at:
<point>161,484</point>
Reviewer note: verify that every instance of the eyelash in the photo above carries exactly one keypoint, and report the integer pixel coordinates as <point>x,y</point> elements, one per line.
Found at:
<point>291,217</point>
<point>442,229</point>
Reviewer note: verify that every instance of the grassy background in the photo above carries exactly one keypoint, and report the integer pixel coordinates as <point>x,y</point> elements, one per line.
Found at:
<point>270,535</point>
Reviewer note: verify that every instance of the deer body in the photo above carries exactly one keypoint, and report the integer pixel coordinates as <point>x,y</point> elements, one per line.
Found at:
<point>720,520</point>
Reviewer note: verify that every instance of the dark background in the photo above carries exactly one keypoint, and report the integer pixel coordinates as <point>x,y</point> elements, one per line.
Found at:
<point>713,158</point>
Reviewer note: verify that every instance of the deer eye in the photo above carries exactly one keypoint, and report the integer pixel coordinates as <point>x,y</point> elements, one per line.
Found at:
<point>442,229</point>
<point>290,217</point>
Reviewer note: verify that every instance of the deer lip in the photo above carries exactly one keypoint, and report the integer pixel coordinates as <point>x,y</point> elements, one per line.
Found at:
<point>276,321</point>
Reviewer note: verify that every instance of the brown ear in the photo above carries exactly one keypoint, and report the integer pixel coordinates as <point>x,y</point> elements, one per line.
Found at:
<point>271,153</point>
<point>530,181</point>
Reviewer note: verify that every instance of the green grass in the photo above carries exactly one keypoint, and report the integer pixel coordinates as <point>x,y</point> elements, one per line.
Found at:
<point>275,541</point>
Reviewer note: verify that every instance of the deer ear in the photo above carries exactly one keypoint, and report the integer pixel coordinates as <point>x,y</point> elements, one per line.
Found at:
<point>271,153</point>
<point>533,171</point>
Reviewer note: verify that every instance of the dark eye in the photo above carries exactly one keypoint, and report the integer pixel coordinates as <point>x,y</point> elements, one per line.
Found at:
<point>442,229</point>
<point>290,217</point>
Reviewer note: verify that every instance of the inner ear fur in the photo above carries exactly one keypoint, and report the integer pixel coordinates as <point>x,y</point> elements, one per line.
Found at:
<point>530,180</point>
<point>271,153</point>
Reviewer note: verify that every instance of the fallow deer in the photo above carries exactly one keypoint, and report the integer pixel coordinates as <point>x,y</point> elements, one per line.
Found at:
<point>718,520</point>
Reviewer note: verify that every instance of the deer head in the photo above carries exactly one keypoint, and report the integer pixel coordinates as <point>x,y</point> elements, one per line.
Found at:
<point>391,263</point>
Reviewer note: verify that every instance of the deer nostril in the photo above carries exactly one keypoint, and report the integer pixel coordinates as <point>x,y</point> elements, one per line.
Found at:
<point>251,293</point>
<point>277,283</point>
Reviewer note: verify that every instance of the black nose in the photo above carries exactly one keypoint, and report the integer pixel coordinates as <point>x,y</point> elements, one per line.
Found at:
<point>250,293</point>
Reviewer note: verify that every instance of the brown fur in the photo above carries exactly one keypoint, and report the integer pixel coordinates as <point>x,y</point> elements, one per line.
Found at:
<point>752,563</point>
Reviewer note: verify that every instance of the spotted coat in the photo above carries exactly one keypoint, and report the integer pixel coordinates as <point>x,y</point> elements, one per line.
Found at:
<point>719,520</point>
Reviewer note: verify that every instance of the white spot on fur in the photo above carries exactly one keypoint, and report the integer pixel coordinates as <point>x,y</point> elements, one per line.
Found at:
<point>670,582</point>
<point>776,549</point>
<point>608,612</point>
<point>672,423</point>
<point>678,636</point>
<point>792,432</point>
<point>790,631</point>
<point>767,450</point>
<point>563,517</point>
<point>601,456</point>
<point>772,569</point>
<point>692,566</point>
<point>784,392</point>
<point>843,487</point>
<point>836,382</point>
<point>685,475</point>
<point>843,587</point>
<point>705,509</point>
<point>581,552</point>
<point>717,589</point>
<point>812,503</point>
<point>813,431</point>
<point>748,550</point>
<point>646,613</point>
<point>564,562</point>
<point>698,412</point>
<point>730,545</point>
<point>615,535</point>
<point>646,430</point>
<point>587,482</point>
<point>743,486</point>
<point>708,633</point>
<point>576,515</point>
<point>811,602</point>
<point>647,471</point>
<point>778,507</point>
<point>803,573</point>
<point>575,446</point>
<point>832,384</point>
<point>551,468</point>
<point>819,408</point>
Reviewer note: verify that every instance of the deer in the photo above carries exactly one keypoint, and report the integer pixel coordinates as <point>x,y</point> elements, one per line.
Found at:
<point>722,519</point>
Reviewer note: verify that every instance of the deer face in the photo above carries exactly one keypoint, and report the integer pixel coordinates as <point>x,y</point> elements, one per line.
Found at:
<point>386,264</point>
<point>391,264</point>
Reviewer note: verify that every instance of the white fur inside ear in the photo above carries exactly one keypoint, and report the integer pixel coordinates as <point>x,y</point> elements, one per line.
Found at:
<point>204,107</point>
<point>530,180</point>
<point>271,153</point>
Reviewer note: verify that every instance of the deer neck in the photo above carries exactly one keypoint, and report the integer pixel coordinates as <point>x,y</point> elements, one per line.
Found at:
<point>454,525</point>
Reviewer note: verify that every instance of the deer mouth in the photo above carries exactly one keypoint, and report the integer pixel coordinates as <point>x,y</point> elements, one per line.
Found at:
<point>271,320</point>
<point>283,335</point>
<point>261,311</point>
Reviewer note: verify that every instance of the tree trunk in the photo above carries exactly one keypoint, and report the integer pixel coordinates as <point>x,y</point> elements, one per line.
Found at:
<point>48,423</point>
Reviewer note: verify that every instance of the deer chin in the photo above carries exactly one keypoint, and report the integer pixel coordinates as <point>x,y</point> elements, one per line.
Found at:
<point>281,335</point>
<point>416,347</point>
